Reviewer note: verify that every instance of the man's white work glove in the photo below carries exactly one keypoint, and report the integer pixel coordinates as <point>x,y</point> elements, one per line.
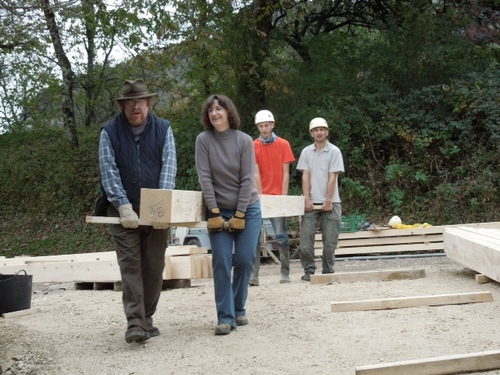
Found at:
<point>128,217</point>
<point>157,225</point>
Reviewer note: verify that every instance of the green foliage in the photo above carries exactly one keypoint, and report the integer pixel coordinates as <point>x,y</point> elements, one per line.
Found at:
<point>412,104</point>
<point>23,235</point>
<point>44,176</point>
<point>356,194</point>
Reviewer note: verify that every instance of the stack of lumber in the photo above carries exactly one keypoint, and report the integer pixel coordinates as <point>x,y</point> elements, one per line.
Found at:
<point>187,262</point>
<point>387,241</point>
<point>475,248</point>
<point>182,262</point>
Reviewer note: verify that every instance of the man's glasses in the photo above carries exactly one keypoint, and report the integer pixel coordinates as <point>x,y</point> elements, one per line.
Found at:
<point>131,103</point>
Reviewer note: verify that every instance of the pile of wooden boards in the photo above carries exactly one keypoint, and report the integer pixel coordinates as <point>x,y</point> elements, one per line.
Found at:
<point>475,248</point>
<point>182,263</point>
<point>390,241</point>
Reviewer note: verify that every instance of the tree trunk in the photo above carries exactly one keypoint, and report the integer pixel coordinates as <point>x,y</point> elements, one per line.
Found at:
<point>253,73</point>
<point>68,110</point>
<point>90,86</point>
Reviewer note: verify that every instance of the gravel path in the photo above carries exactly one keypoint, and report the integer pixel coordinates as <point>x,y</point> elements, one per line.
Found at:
<point>292,329</point>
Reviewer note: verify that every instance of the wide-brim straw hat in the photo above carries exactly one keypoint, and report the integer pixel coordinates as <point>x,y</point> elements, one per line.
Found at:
<point>135,90</point>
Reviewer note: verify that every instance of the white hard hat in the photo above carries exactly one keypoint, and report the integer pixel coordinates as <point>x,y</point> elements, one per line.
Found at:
<point>394,220</point>
<point>263,116</point>
<point>318,122</point>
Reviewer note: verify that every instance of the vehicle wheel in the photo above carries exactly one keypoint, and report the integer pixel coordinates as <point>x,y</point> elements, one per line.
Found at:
<point>194,242</point>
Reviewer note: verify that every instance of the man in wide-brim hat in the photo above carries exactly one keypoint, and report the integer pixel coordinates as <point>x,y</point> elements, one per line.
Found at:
<point>137,150</point>
<point>136,101</point>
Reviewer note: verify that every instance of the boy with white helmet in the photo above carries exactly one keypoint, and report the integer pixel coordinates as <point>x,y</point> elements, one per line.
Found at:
<point>273,156</point>
<point>320,164</point>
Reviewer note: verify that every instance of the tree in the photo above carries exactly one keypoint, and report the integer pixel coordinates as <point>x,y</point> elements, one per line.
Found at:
<point>78,39</point>
<point>67,73</point>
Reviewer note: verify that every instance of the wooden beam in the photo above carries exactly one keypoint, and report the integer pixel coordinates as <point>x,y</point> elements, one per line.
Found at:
<point>385,241</point>
<point>15,314</point>
<point>171,206</point>
<point>475,248</point>
<point>397,303</point>
<point>116,220</point>
<point>453,364</point>
<point>48,272</point>
<point>483,279</point>
<point>350,277</point>
<point>281,205</point>
<point>397,248</point>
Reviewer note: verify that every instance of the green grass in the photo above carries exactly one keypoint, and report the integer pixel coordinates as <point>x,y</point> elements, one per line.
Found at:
<point>36,238</point>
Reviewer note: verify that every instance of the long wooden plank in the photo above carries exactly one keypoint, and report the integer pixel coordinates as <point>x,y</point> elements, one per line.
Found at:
<point>434,246</point>
<point>116,220</point>
<point>452,364</point>
<point>366,276</point>
<point>397,303</point>
<point>102,255</point>
<point>46,272</point>
<point>383,241</point>
<point>391,233</point>
<point>15,314</point>
<point>12,262</point>
<point>475,248</point>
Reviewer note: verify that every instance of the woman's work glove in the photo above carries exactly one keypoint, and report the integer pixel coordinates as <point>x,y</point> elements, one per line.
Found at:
<point>215,222</point>
<point>128,217</point>
<point>237,222</point>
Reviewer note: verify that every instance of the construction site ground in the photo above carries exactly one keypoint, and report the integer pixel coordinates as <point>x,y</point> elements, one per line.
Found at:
<point>292,329</point>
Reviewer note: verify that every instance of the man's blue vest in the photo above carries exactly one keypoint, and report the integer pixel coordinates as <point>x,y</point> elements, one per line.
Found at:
<point>139,162</point>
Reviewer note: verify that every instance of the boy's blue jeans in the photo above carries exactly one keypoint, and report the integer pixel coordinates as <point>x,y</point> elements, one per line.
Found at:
<point>234,252</point>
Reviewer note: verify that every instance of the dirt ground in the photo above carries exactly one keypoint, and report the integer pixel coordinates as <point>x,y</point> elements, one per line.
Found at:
<point>292,329</point>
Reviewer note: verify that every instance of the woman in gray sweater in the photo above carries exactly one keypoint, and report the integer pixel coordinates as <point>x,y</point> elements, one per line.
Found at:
<point>225,162</point>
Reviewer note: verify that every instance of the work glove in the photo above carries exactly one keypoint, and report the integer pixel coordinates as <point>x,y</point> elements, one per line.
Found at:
<point>158,225</point>
<point>236,223</point>
<point>128,217</point>
<point>215,222</point>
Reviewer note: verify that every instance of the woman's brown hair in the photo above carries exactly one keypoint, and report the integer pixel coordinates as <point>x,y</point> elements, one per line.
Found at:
<point>232,113</point>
